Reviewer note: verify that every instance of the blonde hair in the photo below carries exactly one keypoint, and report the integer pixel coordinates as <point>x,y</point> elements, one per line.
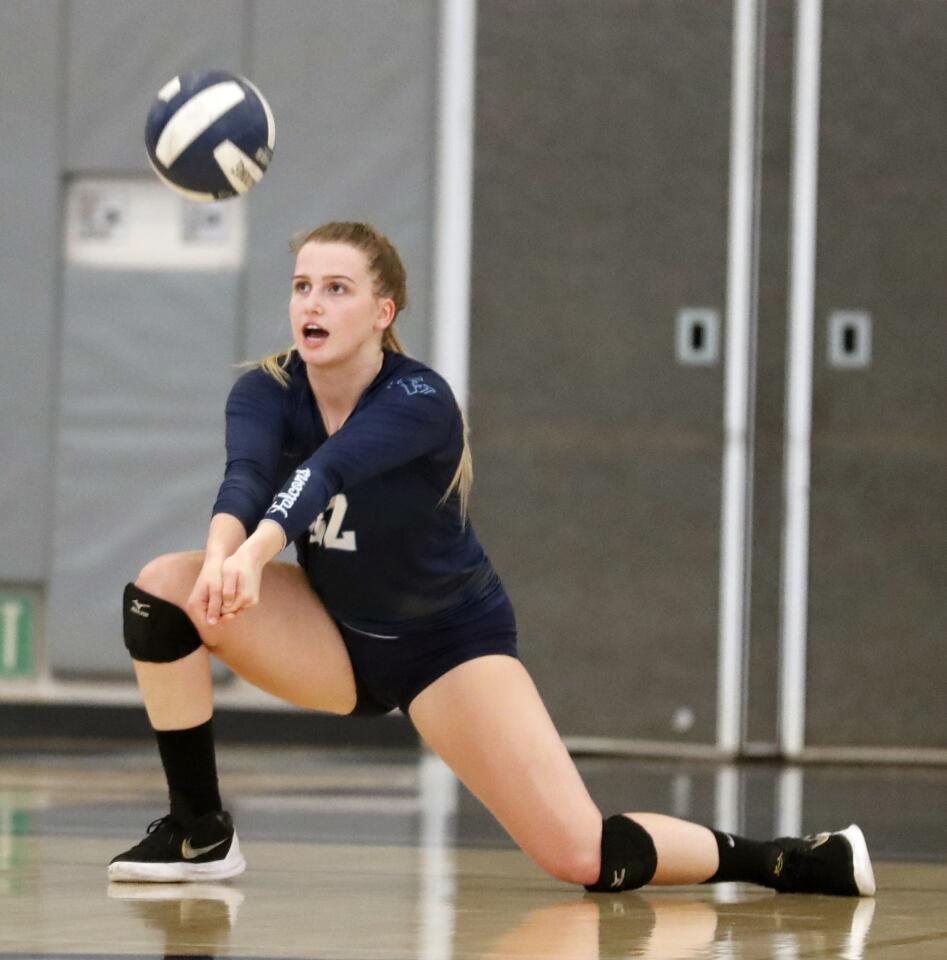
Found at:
<point>462,480</point>
<point>386,267</point>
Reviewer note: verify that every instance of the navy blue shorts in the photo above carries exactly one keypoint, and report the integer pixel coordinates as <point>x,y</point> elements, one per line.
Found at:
<point>391,672</point>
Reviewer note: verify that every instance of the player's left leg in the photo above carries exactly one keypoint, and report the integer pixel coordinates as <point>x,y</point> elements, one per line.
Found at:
<point>486,720</point>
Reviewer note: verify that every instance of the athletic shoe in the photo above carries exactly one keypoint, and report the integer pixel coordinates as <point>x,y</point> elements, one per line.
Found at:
<point>835,863</point>
<point>205,848</point>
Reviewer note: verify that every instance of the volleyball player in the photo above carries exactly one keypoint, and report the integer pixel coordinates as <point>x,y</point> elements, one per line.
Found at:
<point>358,455</point>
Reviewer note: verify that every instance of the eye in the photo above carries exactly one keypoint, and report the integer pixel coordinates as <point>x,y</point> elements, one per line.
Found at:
<point>301,286</point>
<point>335,287</point>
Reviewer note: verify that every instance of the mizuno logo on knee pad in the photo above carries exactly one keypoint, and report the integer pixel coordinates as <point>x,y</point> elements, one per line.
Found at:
<point>156,631</point>
<point>628,856</point>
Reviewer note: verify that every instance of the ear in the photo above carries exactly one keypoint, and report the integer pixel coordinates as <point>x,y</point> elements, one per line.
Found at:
<point>386,314</point>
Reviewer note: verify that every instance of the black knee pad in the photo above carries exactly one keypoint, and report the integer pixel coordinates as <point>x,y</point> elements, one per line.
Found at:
<point>628,856</point>
<point>156,631</point>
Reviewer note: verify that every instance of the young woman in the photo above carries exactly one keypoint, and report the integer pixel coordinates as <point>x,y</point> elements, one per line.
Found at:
<point>358,455</point>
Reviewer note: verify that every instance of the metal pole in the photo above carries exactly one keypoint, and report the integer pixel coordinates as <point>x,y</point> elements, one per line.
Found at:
<point>805,168</point>
<point>454,201</point>
<point>738,376</point>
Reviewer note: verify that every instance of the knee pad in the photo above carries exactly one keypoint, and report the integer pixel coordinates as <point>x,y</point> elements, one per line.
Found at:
<point>628,856</point>
<point>156,631</point>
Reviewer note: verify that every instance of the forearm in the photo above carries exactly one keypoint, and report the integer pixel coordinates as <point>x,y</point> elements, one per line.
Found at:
<point>239,572</point>
<point>225,535</point>
<point>264,543</point>
<point>242,571</point>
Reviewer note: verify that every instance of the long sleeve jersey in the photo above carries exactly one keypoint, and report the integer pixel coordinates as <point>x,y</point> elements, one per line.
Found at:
<point>362,506</point>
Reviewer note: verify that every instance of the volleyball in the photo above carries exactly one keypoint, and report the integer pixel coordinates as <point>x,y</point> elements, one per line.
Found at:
<point>210,135</point>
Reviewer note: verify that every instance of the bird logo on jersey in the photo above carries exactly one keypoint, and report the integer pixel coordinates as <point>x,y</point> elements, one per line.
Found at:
<point>413,385</point>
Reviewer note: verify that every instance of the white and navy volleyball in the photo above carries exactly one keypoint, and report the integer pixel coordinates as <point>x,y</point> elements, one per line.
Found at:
<point>210,135</point>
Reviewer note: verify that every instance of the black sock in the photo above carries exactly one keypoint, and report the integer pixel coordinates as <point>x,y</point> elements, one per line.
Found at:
<point>740,859</point>
<point>190,765</point>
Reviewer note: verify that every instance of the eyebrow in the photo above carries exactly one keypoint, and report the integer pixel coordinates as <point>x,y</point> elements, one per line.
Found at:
<point>327,276</point>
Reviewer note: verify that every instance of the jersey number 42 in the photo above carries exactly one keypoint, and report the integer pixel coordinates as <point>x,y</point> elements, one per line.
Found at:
<point>329,533</point>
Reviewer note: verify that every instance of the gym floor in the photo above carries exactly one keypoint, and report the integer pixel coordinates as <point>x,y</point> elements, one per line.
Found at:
<point>358,854</point>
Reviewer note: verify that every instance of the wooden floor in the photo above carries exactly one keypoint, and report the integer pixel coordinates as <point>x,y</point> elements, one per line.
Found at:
<point>356,855</point>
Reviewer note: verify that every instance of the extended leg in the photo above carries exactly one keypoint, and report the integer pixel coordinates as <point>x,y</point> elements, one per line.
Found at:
<point>487,721</point>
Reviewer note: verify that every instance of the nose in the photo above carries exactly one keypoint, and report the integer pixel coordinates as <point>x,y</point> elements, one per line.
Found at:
<point>312,303</point>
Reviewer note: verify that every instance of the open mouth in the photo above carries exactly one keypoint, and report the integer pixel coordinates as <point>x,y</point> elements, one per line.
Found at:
<point>313,333</point>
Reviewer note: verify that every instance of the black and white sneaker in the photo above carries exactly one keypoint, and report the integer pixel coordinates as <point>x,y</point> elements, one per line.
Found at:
<point>835,863</point>
<point>205,848</point>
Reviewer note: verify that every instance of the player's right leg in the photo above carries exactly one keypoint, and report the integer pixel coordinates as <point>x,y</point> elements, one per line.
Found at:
<point>287,645</point>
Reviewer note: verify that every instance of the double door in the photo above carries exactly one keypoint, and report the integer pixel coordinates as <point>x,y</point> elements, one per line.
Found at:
<point>651,576</point>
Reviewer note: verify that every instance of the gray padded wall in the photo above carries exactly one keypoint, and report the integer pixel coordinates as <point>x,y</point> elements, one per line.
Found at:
<point>148,357</point>
<point>29,257</point>
<point>600,210</point>
<point>878,605</point>
<point>121,52</point>
<point>353,86</point>
<point>139,446</point>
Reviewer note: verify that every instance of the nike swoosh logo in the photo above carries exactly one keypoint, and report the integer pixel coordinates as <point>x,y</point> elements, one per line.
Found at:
<point>190,853</point>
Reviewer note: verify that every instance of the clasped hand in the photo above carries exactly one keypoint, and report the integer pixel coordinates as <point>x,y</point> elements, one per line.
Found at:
<point>228,585</point>
<point>224,588</point>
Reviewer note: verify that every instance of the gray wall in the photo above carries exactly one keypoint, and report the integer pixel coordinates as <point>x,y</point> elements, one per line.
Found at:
<point>114,381</point>
<point>30,157</point>
<point>600,210</point>
<point>878,613</point>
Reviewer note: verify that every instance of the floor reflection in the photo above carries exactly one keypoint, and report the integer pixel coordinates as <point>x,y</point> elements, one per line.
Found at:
<point>193,919</point>
<point>204,919</point>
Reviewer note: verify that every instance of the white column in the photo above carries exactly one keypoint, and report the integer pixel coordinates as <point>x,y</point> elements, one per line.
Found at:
<point>452,228</point>
<point>804,196</point>
<point>728,819</point>
<point>789,795</point>
<point>439,794</point>
<point>735,520</point>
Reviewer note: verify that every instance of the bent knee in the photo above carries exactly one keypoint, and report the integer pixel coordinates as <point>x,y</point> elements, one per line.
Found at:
<point>170,576</point>
<point>155,629</point>
<point>628,859</point>
<point>576,862</point>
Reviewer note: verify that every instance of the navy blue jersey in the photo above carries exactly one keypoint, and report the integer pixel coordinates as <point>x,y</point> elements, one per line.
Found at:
<point>363,506</point>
